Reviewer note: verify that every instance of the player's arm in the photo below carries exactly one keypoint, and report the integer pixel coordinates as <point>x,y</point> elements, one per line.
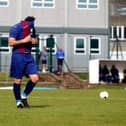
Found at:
<point>33,35</point>
<point>13,42</point>
<point>34,40</point>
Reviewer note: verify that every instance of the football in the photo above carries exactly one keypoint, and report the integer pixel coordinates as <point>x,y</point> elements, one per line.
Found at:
<point>104,94</point>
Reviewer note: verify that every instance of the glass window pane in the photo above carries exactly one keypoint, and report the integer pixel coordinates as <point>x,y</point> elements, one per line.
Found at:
<point>37,0</point>
<point>79,47</point>
<point>94,43</point>
<point>94,51</point>
<point>84,1</point>
<point>4,42</point>
<point>37,4</point>
<point>4,3</point>
<point>80,43</point>
<point>82,6</point>
<point>43,3</point>
<point>119,32</point>
<point>114,32</point>
<point>87,4</point>
<point>125,32</point>
<point>48,0</point>
<point>4,50</point>
<point>80,51</point>
<point>93,1</point>
<point>92,6</point>
<point>48,5</point>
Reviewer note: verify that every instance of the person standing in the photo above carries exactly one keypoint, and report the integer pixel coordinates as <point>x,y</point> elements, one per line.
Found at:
<point>43,59</point>
<point>106,74</point>
<point>100,73</point>
<point>21,37</point>
<point>114,74</point>
<point>60,57</point>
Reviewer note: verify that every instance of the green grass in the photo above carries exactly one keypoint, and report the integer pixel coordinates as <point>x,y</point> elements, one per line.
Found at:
<point>4,76</point>
<point>66,107</point>
<point>83,76</point>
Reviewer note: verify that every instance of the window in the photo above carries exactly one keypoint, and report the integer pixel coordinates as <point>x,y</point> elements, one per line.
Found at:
<point>114,32</point>
<point>118,32</point>
<point>39,45</point>
<point>125,32</point>
<point>79,45</point>
<point>42,3</point>
<point>94,45</point>
<point>4,44</point>
<point>43,39</point>
<point>4,3</point>
<point>87,4</point>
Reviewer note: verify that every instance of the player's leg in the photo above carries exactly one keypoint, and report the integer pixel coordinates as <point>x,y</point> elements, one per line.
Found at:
<point>16,72</point>
<point>44,66</point>
<point>32,71</point>
<point>58,66</point>
<point>61,64</point>
<point>30,85</point>
<point>17,94</point>
<point>28,89</point>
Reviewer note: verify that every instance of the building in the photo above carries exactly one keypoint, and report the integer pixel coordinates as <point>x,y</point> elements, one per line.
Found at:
<point>118,29</point>
<point>80,27</point>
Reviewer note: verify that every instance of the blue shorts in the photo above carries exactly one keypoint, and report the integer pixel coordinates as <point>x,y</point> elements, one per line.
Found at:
<point>22,64</point>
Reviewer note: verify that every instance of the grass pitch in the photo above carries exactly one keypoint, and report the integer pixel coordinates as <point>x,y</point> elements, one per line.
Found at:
<point>66,107</point>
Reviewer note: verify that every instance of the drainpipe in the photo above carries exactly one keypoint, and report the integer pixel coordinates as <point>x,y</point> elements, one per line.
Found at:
<point>109,26</point>
<point>66,34</point>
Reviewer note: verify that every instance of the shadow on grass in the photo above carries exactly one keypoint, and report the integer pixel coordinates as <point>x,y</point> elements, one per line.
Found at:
<point>39,106</point>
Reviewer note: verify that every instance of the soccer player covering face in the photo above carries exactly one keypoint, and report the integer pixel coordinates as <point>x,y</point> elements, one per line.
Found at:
<point>21,37</point>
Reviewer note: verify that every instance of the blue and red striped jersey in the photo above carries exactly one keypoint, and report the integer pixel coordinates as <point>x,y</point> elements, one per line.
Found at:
<point>20,31</point>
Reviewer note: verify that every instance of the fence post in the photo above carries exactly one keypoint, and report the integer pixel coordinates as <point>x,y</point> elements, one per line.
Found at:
<point>50,45</point>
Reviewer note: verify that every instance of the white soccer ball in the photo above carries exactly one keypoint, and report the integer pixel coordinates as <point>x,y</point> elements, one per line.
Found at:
<point>104,94</point>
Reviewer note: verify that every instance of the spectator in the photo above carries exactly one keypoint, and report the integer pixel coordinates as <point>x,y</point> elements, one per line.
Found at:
<point>100,73</point>
<point>106,74</point>
<point>114,74</point>
<point>43,59</point>
<point>124,76</point>
<point>60,58</point>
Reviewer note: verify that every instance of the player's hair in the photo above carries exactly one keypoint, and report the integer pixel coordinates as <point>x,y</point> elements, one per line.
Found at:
<point>29,18</point>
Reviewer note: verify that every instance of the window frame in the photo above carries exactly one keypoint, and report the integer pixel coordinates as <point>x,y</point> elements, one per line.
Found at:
<point>120,30</point>
<point>44,40</point>
<point>43,2</point>
<point>7,5</point>
<point>87,4</point>
<point>83,49</point>
<point>8,48</point>
<point>94,49</point>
